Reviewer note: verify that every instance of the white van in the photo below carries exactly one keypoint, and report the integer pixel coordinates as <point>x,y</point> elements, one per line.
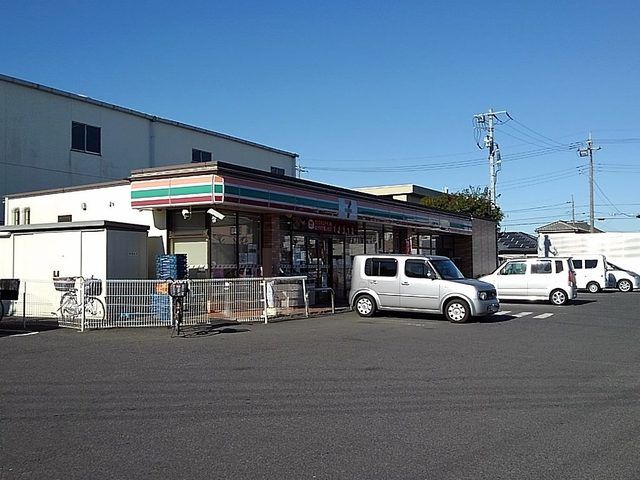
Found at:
<point>591,272</point>
<point>535,278</point>
<point>413,283</point>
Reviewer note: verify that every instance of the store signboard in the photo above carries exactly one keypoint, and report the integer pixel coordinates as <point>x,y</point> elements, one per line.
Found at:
<point>166,192</point>
<point>325,226</point>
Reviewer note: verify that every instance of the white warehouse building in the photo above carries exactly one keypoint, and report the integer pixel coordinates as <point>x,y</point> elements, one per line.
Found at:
<point>51,138</point>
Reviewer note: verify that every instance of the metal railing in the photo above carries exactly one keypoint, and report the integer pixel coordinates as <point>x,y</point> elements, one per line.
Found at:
<point>97,304</point>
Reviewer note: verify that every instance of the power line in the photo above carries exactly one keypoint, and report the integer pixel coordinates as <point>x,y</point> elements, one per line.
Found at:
<point>538,133</point>
<point>55,170</point>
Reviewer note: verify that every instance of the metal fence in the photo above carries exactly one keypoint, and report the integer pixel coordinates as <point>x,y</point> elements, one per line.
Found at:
<point>97,304</point>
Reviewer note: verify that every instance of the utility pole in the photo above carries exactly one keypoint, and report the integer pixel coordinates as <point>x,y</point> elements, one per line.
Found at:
<point>573,211</point>
<point>588,152</point>
<point>485,121</point>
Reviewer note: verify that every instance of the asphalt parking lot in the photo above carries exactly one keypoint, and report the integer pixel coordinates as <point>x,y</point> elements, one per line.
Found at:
<point>535,392</point>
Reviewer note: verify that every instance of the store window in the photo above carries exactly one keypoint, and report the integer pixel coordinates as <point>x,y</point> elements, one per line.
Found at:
<point>374,235</point>
<point>224,248</point>
<point>189,236</point>
<point>27,216</point>
<point>249,245</point>
<point>389,241</point>
<point>235,246</point>
<point>299,255</point>
<point>16,216</point>
<point>284,266</point>
<point>423,244</point>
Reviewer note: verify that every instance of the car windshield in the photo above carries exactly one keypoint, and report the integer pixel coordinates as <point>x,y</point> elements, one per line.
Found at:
<point>613,267</point>
<point>447,269</point>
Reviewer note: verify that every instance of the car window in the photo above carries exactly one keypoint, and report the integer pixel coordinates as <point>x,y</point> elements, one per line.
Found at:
<point>559,266</point>
<point>541,266</point>
<point>380,267</point>
<point>514,268</point>
<point>447,269</point>
<point>590,263</point>
<point>577,263</point>
<point>418,269</point>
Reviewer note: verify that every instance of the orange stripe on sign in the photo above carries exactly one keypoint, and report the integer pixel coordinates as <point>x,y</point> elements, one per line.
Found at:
<point>142,184</point>
<point>192,180</point>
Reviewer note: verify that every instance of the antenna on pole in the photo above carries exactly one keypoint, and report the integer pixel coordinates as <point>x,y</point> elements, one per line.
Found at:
<point>485,121</point>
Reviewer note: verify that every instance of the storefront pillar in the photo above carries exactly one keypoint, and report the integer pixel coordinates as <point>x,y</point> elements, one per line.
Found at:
<point>462,246</point>
<point>270,244</point>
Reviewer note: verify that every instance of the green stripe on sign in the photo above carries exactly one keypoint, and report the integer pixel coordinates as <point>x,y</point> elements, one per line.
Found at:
<point>154,192</point>
<point>269,196</point>
<point>190,190</point>
<point>171,192</point>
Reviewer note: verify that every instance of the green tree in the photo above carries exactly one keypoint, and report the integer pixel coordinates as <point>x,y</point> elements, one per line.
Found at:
<point>473,201</point>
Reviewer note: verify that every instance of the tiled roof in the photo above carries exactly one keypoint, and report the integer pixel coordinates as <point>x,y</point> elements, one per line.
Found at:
<point>517,242</point>
<point>563,226</point>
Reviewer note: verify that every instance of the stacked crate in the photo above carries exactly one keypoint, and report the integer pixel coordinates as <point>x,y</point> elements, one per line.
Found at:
<point>168,267</point>
<point>171,267</point>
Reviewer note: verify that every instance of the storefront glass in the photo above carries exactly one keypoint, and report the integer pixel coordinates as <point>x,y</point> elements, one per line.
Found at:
<point>422,244</point>
<point>235,246</point>
<point>249,245</point>
<point>374,239</point>
<point>189,237</point>
<point>388,241</point>
<point>223,247</point>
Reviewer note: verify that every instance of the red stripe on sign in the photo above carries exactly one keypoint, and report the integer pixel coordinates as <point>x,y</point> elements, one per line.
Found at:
<point>188,200</point>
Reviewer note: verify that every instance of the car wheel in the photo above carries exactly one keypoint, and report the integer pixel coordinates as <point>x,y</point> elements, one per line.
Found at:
<point>593,287</point>
<point>365,305</point>
<point>558,297</point>
<point>625,285</point>
<point>457,311</point>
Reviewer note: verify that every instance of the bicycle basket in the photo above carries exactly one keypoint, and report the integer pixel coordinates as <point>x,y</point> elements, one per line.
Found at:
<point>64,284</point>
<point>178,289</point>
<point>93,287</point>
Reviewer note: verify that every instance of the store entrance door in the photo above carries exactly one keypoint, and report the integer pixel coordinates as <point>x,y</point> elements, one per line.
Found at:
<point>319,268</point>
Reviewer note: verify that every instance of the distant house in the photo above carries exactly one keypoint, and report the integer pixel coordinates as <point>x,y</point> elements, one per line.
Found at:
<point>409,193</point>
<point>563,226</point>
<point>516,244</point>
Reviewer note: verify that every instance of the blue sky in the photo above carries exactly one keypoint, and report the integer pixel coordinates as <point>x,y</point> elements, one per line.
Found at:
<point>372,93</point>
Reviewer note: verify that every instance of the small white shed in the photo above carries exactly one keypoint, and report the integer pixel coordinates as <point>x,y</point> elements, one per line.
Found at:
<point>100,248</point>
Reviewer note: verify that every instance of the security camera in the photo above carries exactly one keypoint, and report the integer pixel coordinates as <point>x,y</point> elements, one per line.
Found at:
<point>215,214</point>
<point>186,214</point>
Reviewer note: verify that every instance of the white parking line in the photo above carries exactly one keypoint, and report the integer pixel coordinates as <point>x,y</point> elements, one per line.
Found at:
<point>522,314</point>
<point>544,315</point>
<point>19,334</point>
<point>505,312</point>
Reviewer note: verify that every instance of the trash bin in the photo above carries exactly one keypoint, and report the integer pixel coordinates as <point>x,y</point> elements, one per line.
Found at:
<point>9,288</point>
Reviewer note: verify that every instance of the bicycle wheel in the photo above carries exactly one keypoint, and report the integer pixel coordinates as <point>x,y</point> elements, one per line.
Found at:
<point>69,305</point>
<point>177,316</point>
<point>94,309</point>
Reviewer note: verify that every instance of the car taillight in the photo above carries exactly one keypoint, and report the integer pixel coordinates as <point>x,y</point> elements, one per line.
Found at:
<point>572,277</point>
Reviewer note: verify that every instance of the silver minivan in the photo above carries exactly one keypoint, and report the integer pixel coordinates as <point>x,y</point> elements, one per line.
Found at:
<point>430,284</point>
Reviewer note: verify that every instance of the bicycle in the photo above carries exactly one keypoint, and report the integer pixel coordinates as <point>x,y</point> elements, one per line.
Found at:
<point>72,305</point>
<point>178,290</point>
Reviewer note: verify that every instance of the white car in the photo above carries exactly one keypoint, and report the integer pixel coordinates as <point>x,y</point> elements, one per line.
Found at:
<point>624,280</point>
<point>543,278</point>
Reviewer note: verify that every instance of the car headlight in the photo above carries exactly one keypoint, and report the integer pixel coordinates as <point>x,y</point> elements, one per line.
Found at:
<point>483,295</point>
